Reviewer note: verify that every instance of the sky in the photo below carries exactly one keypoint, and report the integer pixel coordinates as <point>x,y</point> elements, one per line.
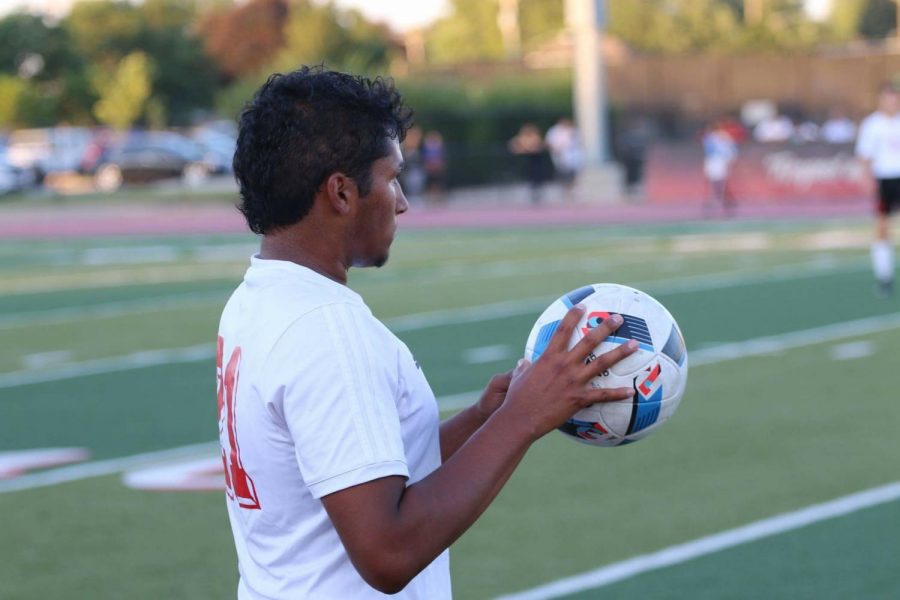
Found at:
<point>399,14</point>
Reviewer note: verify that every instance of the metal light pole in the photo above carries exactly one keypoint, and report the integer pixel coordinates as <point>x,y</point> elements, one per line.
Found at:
<point>585,19</point>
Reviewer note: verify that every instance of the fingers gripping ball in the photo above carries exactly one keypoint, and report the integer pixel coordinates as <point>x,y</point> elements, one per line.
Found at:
<point>657,371</point>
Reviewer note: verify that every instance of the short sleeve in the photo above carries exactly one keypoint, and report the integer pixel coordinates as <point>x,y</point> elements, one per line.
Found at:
<point>865,142</point>
<point>340,381</point>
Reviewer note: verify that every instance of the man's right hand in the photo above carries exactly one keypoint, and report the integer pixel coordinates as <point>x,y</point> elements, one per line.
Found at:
<point>548,392</point>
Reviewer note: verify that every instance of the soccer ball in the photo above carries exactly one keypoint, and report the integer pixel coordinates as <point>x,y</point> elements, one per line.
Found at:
<point>657,370</point>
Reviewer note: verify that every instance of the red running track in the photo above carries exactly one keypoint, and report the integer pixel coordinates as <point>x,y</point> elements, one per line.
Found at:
<point>52,221</point>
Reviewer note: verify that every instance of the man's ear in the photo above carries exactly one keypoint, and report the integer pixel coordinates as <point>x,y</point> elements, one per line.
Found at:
<point>340,192</point>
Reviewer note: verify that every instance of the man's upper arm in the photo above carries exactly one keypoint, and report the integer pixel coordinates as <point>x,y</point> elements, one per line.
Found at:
<point>366,519</point>
<point>338,401</point>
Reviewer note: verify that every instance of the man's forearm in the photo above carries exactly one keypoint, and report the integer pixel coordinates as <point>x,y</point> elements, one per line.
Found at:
<point>456,430</point>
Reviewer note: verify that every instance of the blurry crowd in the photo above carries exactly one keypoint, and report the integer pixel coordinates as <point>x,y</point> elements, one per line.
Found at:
<point>557,154</point>
<point>765,124</point>
<point>104,160</point>
<point>424,166</point>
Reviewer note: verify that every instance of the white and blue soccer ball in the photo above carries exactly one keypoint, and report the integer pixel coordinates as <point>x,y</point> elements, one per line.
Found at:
<point>657,370</point>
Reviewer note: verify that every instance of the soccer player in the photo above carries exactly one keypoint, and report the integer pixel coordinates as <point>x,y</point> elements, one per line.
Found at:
<point>878,145</point>
<point>341,481</point>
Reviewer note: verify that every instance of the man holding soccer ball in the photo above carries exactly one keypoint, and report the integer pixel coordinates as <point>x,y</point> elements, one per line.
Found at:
<point>341,481</point>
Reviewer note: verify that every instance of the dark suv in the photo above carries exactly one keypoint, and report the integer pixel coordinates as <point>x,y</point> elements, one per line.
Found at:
<point>146,157</point>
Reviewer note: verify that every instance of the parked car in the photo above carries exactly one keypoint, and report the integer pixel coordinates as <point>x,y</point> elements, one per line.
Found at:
<point>13,178</point>
<point>147,157</point>
<point>48,150</point>
<point>218,146</point>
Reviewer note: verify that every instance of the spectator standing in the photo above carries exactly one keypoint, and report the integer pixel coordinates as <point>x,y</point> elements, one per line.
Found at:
<point>529,144</point>
<point>434,161</point>
<point>564,144</point>
<point>413,177</point>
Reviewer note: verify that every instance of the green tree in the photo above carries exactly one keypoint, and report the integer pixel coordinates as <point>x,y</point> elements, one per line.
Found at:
<point>187,78</point>
<point>662,26</point>
<point>103,31</point>
<point>878,19</point>
<point>540,19</point>
<point>106,31</point>
<point>470,33</point>
<point>42,55</point>
<point>11,90</point>
<point>844,19</point>
<point>124,95</point>
<point>317,33</point>
<point>712,25</point>
<point>245,38</point>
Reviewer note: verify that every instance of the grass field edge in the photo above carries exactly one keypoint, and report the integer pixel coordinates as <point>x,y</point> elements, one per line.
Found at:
<point>680,553</point>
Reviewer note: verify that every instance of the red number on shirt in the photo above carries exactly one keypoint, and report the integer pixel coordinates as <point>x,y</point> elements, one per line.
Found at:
<point>238,484</point>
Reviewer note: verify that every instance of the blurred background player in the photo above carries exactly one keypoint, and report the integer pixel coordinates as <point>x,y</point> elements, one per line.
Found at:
<point>719,151</point>
<point>878,145</point>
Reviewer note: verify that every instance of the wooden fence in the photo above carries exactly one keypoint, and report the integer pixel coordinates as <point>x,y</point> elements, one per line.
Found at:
<point>701,86</point>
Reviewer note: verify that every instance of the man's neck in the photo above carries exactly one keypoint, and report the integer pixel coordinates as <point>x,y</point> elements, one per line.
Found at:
<point>297,246</point>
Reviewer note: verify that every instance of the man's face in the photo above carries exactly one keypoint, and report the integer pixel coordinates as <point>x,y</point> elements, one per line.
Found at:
<point>889,102</point>
<point>376,213</point>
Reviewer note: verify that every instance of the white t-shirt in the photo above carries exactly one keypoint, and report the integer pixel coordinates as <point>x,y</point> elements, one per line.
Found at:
<point>565,148</point>
<point>879,142</point>
<point>315,396</point>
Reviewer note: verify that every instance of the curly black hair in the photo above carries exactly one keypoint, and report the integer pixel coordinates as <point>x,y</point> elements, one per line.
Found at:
<point>302,126</point>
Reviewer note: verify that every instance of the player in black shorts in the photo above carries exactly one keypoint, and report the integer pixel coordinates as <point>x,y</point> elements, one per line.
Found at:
<point>878,145</point>
<point>888,196</point>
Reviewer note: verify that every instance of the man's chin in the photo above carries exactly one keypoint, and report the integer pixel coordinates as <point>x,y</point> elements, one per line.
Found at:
<point>375,262</point>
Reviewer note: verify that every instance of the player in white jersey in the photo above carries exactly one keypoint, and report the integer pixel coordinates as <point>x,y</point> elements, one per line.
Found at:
<point>878,145</point>
<point>341,481</point>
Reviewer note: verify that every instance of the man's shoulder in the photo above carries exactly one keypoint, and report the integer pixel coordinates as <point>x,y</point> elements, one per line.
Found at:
<point>873,119</point>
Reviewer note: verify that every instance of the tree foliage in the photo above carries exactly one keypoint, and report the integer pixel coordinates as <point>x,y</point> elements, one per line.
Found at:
<point>210,54</point>
<point>11,89</point>
<point>246,37</point>
<point>878,19</point>
<point>124,94</point>
<point>322,33</point>
<point>104,32</point>
<point>470,33</point>
<point>540,20</point>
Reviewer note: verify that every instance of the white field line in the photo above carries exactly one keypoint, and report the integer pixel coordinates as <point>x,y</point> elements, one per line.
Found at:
<point>696,283</point>
<point>106,310</point>
<point>451,317</point>
<point>678,285</point>
<point>137,360</point>
<point>785,341</point>
<point>103,467</point>
<point>680,553</point>
<point>457,401</point>
<point>62,282</point>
